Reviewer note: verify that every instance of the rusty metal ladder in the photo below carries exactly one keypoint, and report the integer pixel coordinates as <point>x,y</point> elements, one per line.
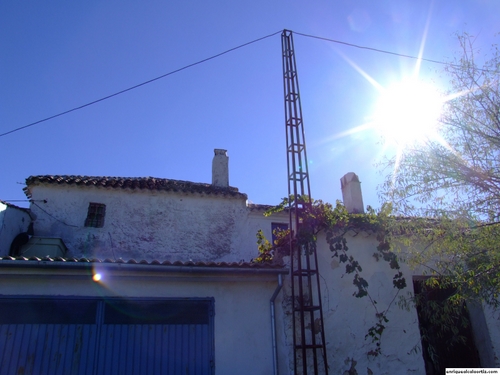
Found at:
<point>308,334</point>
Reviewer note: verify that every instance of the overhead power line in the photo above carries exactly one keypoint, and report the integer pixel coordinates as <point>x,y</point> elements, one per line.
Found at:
<point>389,52</point>
<point>138,85</point>
<point>223,53</point>
<point>371,49</point>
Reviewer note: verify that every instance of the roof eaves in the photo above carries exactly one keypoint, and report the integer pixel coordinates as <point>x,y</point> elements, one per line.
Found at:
<point>14,206</point>
<point>143,265</point>
<point>133,183</point>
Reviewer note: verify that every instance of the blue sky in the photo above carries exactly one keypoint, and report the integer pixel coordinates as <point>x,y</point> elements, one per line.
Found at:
<point>59,55</point>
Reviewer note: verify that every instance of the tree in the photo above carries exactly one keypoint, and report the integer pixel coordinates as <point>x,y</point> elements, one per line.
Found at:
<point>445,199</point>
<point>452,184</point>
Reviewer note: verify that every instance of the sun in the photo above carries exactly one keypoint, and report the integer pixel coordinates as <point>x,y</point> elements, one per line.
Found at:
<point>408,113</point>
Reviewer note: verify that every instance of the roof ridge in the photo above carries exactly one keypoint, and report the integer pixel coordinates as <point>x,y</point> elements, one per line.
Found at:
<point>147,183</point>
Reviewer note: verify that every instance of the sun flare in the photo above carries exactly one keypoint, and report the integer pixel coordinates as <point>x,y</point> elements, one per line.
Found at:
<point>408,113</point>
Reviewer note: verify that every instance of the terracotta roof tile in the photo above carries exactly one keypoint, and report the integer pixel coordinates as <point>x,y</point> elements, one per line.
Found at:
<point>14,206</point>
<point>264,207</point>
<point>140,183</point>
<point>260,207</point>
<point>200,264</point>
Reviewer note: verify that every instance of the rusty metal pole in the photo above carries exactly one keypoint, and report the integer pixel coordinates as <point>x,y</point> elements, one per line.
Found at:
<point>308,344</point>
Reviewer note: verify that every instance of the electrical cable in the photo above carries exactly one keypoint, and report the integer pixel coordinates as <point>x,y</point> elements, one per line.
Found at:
<point>389,52</point>
<point>223,53</point>
<point>53,217</point>
<point>138,85</point>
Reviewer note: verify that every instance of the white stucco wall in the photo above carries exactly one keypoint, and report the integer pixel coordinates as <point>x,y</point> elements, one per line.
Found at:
<point>185,226</point>
<point>242,311</point>
<point>492,320</point>
<point>149,224</point>
<point>347,318</point>
<point>13,221</point>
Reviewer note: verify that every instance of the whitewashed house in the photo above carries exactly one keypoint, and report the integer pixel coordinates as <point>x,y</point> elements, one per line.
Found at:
<point>154,276</point>
<point>13,221</point>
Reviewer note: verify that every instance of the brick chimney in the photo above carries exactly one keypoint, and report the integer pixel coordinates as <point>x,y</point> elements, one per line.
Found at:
<point>220,168</point>
<point>351,193</point>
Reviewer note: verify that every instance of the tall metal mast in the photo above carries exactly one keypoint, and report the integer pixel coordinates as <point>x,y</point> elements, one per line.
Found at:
<point>308,334</point>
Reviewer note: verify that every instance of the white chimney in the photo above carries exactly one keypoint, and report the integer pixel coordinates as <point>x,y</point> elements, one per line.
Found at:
<point>220,168</point>
<point>351,193</point>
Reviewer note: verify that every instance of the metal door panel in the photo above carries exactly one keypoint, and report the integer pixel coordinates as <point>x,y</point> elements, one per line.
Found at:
<point>154,349</point>
<point>105,349</point>
<point>46,349</point>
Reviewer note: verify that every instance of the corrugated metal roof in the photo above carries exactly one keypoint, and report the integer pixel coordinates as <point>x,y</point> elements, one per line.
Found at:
<point>134,183</point>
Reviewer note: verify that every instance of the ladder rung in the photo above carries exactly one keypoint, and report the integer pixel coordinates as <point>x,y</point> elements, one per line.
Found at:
<point>317,346</point>
<point>304,272</point>
<point>306,308</point>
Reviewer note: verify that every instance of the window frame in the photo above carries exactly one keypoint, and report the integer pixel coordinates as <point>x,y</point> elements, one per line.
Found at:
<point>95,215</point>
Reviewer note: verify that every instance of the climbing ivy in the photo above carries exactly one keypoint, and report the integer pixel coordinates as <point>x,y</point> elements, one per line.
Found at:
<point>336,222</point>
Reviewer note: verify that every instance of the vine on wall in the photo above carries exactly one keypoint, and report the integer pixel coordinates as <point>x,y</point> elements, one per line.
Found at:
<point>336,222</point>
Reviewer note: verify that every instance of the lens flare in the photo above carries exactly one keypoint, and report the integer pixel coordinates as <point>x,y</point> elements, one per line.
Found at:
<point>409,113</point>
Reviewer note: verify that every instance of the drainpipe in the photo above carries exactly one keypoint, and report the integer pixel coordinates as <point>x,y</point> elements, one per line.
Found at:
<point>273,324</point>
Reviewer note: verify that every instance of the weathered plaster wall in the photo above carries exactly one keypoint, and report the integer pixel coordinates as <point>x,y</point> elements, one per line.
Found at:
<point>492,318</point>
<point>257,221</point>
<point>242,310</point>
<point>347,318</point>
<point>149,224</point>
<point>13,221</point>
<point>185,226</point>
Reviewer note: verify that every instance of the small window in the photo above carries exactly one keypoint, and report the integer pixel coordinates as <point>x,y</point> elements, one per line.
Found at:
<point>95,215</point>
<point>277,227</point>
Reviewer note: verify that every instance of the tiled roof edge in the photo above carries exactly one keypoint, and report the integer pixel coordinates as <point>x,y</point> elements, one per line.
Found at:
<point>14,206</point>
<point>263,207</point>
<point>141,183</point>
<point>255,206</point>
<point>178,266</point>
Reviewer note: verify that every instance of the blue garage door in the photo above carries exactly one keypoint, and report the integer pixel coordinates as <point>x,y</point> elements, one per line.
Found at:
<point>112,336</point>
